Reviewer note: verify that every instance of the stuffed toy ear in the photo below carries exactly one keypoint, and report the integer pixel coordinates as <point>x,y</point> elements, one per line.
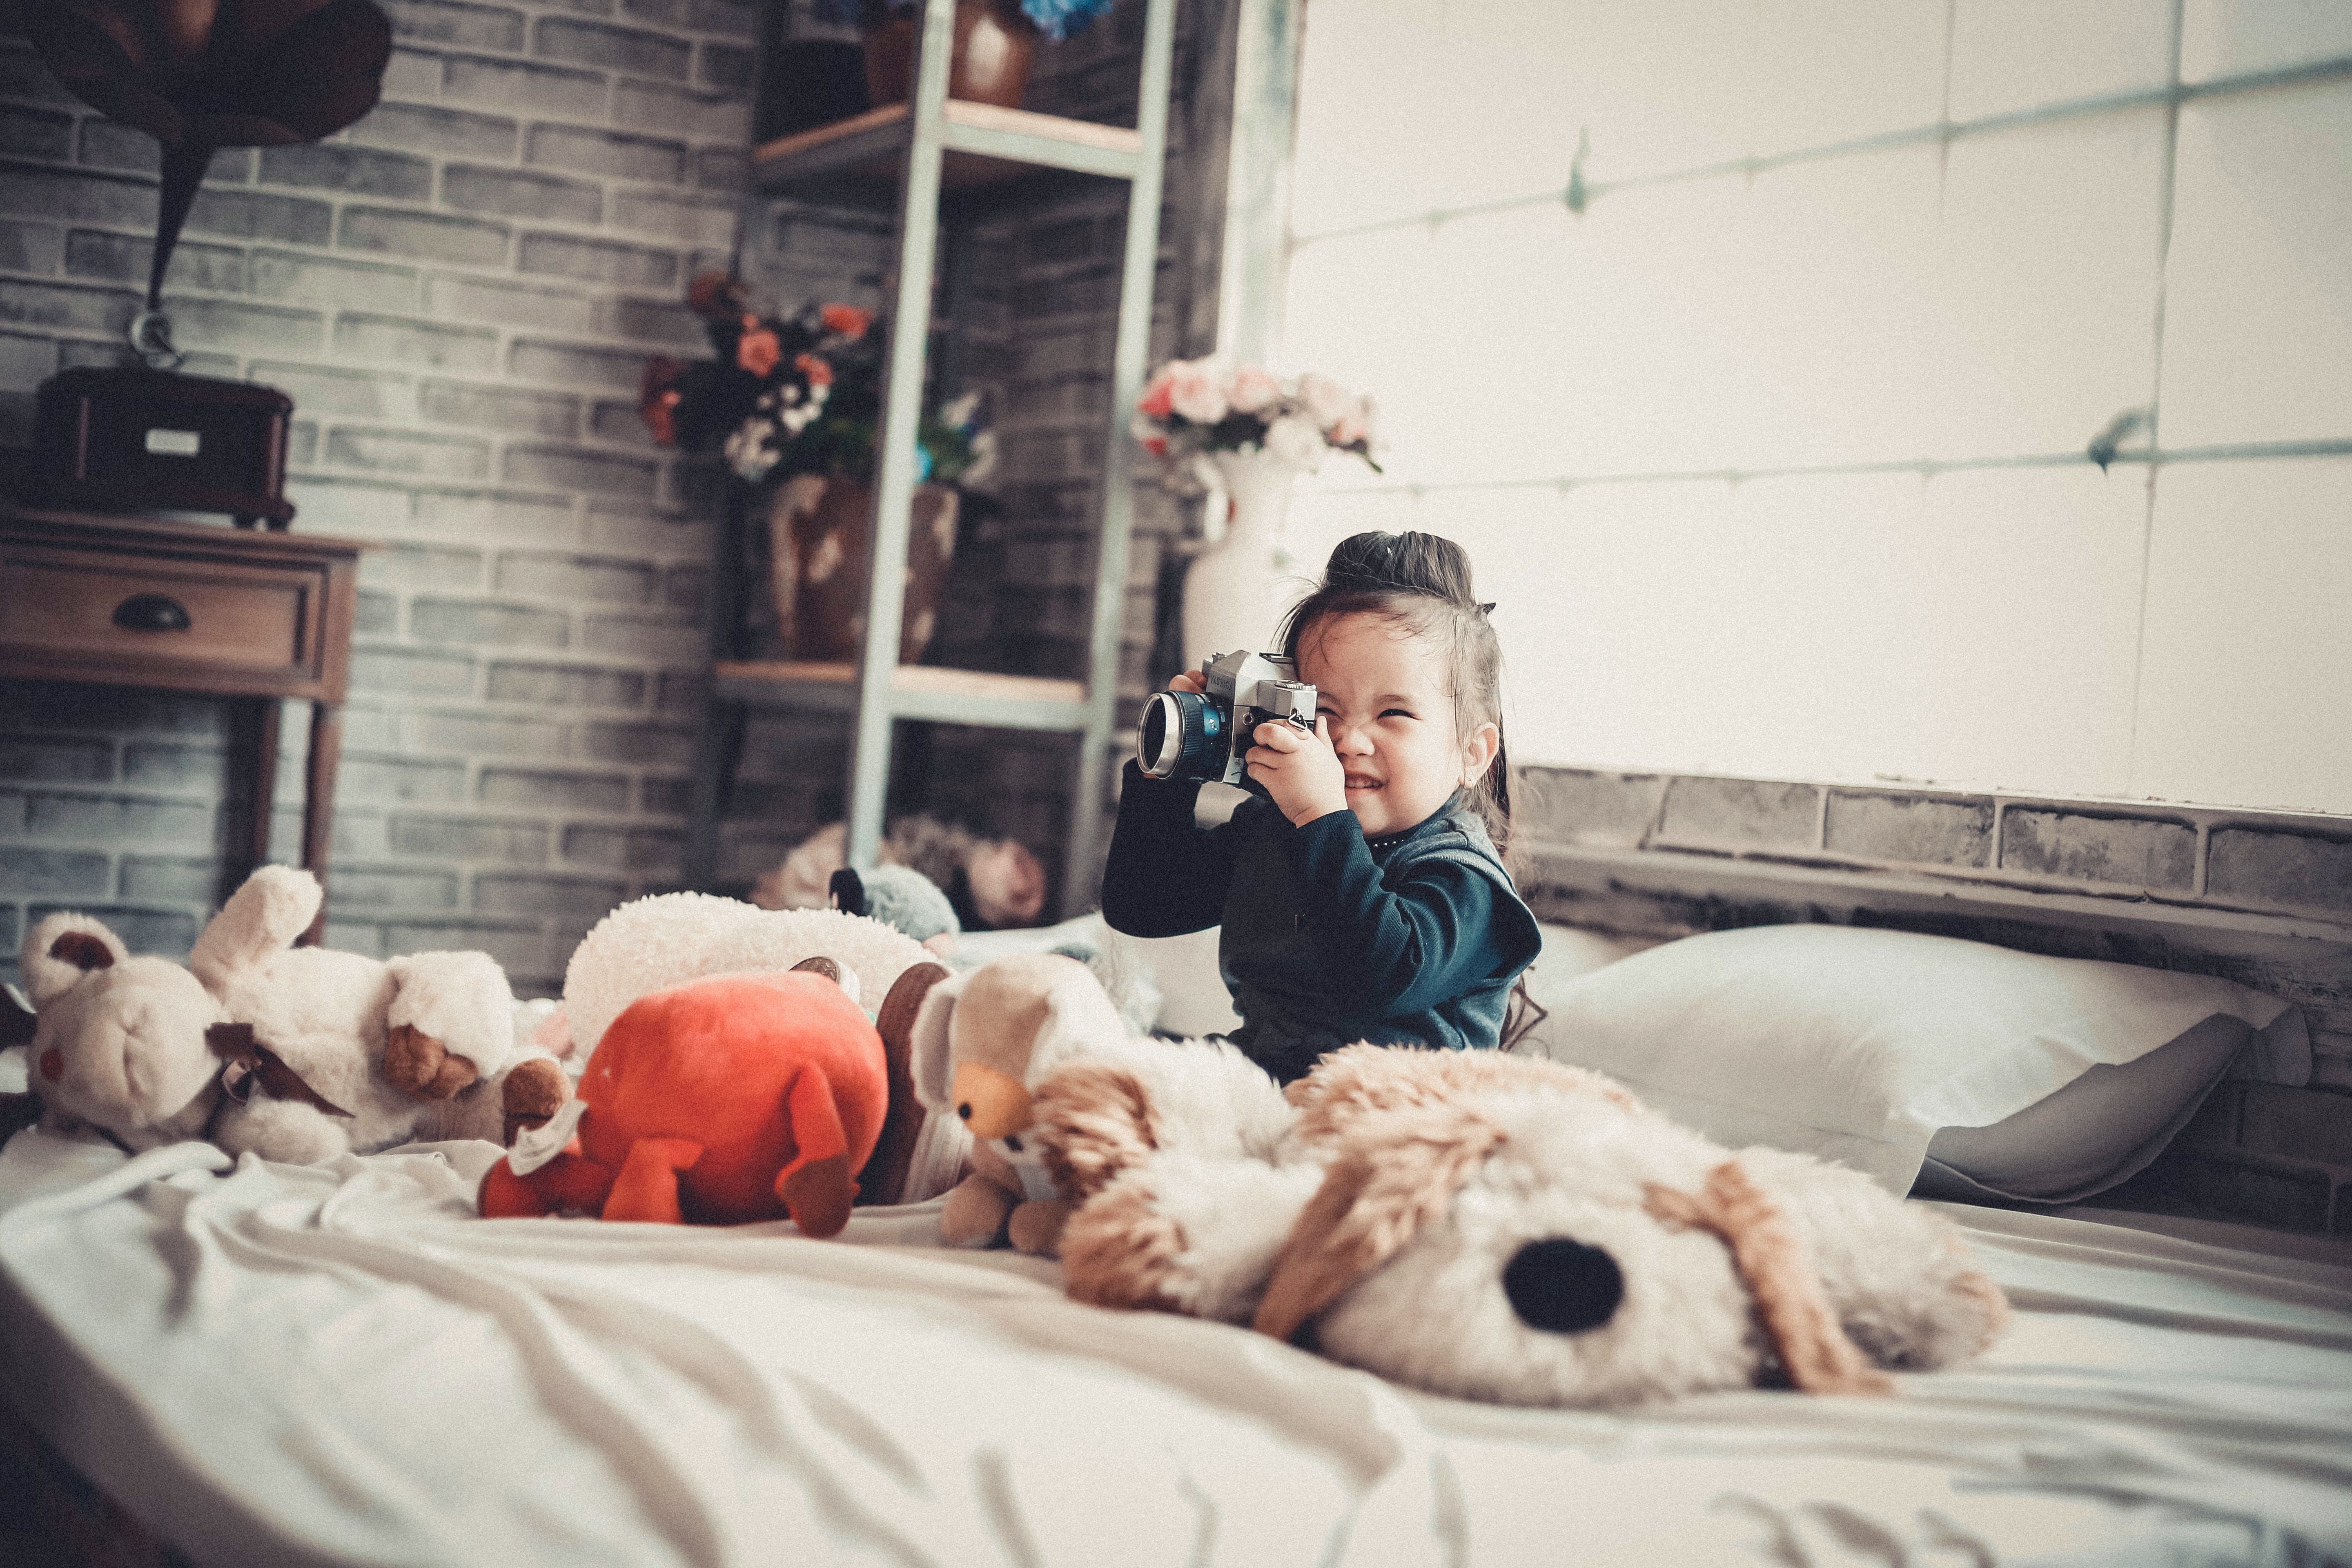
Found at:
<point>261,919</point>
<point>884,1179</point>
<point>928,1040</point>
<point>1772,1262</point>
<point>1398,1173</point>
<point>61,949</point>
<point>1079,1014</point>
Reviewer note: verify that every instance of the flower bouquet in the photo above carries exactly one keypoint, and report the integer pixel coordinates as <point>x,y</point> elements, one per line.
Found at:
<point>1195,408</point>
<point>797,394</point>
<point>1244,435</point>
<point>795,405</point>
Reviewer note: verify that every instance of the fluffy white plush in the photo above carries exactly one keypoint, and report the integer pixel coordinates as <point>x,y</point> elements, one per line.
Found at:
<point>1508,1229</point>
<point>119,1041</point>
<point>327,1014</point>
<point>653,943</point>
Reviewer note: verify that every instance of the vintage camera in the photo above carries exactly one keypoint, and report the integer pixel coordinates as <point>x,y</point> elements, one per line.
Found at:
<point>1207,734</point>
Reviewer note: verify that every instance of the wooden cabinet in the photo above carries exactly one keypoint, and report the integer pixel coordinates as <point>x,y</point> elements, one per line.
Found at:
<point>181,606</point>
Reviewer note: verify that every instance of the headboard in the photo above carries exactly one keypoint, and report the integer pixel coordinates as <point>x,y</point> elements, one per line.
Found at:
<point>2260,898</point>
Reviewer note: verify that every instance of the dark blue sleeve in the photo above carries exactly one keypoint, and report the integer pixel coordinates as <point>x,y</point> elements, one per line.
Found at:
<point>1164,876</point>
<point>1444,929</point>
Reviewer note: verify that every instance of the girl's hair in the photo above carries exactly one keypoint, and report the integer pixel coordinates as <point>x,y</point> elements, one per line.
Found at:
<point>1423,582</point>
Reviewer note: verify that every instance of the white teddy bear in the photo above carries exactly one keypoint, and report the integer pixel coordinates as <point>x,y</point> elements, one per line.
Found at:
<point>335,1052</point>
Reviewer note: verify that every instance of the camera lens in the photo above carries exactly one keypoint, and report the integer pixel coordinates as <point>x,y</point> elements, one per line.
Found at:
<point>1178,737</point>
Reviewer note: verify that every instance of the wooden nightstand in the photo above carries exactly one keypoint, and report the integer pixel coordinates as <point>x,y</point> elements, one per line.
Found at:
<point>181,606</point>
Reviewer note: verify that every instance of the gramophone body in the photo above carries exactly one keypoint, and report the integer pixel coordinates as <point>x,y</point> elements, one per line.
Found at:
<point>197,75</point>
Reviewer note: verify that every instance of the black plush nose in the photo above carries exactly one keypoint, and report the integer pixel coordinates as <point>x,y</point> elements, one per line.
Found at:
<point>1563,1286</point>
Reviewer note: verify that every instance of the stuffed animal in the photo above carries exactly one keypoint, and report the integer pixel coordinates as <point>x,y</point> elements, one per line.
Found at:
<point>652,943</point>
<point>334,1052</point>
<point>985,1038</point>
<point>115,1043</point>
<point>1507,1228</point>
<point>990,883</point>
<point>727,1100</point>
<point>902,899</point>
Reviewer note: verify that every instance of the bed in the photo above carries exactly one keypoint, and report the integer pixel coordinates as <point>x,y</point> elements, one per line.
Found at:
<point>274,1365</point>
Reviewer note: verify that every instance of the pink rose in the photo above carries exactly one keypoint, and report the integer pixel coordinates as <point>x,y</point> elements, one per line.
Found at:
<point>757,350</point>
<point>1154,401</point>
<point>1197,391</point>
<point>1253,390</point>
<point>1354,428</point>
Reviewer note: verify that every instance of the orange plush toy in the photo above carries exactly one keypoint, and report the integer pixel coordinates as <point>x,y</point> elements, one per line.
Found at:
<point>727,1099</point>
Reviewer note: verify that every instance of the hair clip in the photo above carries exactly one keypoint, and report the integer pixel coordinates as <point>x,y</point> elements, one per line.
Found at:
<point>1488,608</point>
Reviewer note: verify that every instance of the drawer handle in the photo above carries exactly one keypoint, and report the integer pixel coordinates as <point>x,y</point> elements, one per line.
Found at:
<point>151,613</point>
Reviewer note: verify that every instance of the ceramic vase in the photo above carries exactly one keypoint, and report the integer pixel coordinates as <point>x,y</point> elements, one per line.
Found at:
<point>994,44</point>
<point>1229,589</point>
<point>820,550</point>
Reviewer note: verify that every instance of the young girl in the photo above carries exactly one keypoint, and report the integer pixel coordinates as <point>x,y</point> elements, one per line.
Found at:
<point>1362,897</point>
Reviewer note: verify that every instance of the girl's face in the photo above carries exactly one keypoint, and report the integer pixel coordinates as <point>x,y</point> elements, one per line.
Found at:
<point>1387,695</point>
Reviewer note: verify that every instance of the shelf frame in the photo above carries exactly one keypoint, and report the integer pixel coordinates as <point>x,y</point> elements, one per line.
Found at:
<point>926,145</point>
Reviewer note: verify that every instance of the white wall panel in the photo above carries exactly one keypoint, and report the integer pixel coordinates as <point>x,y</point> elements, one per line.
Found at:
<point>2246,680</point>
<point>2258,287</point>
<point>2012,55</point>
<point>2233,37</point>
<point>2013,664</point>
<point>1848,321</point>
<point>2046,284</point>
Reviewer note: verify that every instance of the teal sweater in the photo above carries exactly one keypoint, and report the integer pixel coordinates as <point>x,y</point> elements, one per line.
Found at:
<point>1328,938</point>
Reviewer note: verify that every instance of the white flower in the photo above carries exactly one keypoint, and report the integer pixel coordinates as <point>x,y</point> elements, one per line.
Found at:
<point>1325,399</point>
<point>1296,441</point>
<point>751,451</point>
<point>1253,390</point>
<point>1197,391</point>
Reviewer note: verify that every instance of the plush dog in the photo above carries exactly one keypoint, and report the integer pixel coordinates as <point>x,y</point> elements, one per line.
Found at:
<point>332,1052</point>
<point>1508,1228</point>
<point>115,1042</point>
<point>727,1099</point>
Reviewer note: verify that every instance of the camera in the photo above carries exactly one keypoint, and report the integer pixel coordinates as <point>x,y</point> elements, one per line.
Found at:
<point>1207,734</point>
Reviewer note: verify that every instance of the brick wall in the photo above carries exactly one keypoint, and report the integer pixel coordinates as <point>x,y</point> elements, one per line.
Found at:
<point>459,293</point>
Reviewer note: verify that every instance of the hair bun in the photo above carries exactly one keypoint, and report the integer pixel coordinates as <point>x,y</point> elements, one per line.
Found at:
<point>1411,563</point>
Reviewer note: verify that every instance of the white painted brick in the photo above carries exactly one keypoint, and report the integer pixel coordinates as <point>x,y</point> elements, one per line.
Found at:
<point>2246,667</point>
<point>2009,54</point>
<point>2258,310</point>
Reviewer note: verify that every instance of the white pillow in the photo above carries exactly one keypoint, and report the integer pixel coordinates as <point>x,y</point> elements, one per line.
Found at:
<point>1862,1045</point>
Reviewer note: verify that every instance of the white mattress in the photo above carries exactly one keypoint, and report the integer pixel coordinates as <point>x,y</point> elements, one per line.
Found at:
<point>341,1364</point>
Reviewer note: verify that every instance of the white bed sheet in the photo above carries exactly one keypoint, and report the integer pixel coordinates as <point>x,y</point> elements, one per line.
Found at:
<point>272,1365</point>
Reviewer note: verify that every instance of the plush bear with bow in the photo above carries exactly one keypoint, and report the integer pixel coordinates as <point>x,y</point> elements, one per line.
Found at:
<point>1508,1228</point>
<point>115,1043</point>
<point>332,1052</point>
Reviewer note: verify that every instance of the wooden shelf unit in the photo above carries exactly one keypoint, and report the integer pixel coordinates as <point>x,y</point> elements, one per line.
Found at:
<point>912,155</point>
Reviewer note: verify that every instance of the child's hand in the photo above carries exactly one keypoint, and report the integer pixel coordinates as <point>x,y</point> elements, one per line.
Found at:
<point>1302,774</point>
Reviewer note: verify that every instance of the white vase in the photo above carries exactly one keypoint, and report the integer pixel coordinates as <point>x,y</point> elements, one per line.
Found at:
<point>1229,589</point>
